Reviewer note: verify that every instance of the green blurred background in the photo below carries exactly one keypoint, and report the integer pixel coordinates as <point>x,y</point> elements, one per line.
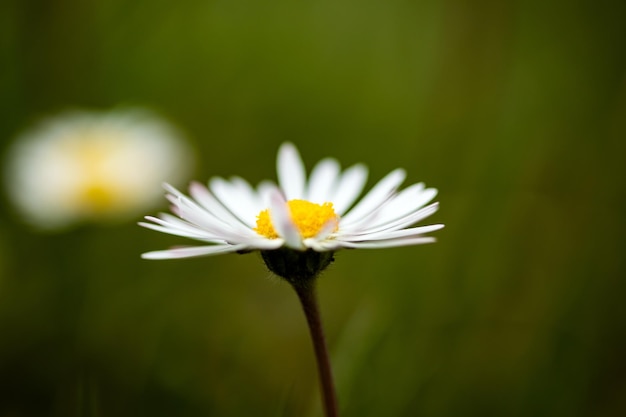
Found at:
<point>516,111</point>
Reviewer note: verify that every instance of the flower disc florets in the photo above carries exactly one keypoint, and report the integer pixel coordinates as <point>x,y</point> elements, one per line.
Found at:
<point>309,218</point>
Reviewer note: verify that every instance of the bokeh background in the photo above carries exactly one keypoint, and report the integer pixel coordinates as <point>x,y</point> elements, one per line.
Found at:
<point>515,110</point>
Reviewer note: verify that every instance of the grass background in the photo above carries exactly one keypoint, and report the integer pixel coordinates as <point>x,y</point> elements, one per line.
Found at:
<point>515,110</point>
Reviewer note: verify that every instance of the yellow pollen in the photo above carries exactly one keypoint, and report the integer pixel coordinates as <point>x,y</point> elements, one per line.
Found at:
<point>308,217</point>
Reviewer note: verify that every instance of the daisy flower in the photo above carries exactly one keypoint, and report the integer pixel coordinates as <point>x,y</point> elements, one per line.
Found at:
<point>315,214</point>
<point>83,166</point>
<point>297,225</point>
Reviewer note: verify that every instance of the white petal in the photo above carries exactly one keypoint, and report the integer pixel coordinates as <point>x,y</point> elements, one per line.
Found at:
<point>192,251</point>
<point>210,203</point>
<point>282,222</point>
<point>238,197</point>
<point>322,246</point>
<point>291,174</point>
<point>322,181</point>
<point>266,244</point>
<point>406,202</point>
<point>388,243</point>
<point>190,211</point>
<point>198,235</point>
<point>171,221</point>
<point>220,214</point>
<point>394,234</point>
<point>173,190</point>
<point>394,225</point>
<point>377,196</point>
<point>349,188</point>
<point>170,218</point>
<point>202,202</point>
<point>399,206</point>
<point>254,204</point>
<point>265,190</point>
<point>327,229</point>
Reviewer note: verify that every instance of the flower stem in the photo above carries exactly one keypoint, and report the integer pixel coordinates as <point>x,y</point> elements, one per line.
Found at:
<point>308,298</point>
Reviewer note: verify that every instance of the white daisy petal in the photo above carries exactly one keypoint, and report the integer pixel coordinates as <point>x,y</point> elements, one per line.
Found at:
<point>394,234</point>
<point>397,207</point>
<point>388,243</point>
<point>324,245</point>
<point>251,196</point>
<point>349,188</point>
<point>266,244</point>
<point>197,234</point>
<point>207,200</point>
<point>238,197</point>
<point>394,225</point>
<point>173,190</point>
<point>212,205</point>
<point>176,223</point>
<point>326,230</point>
<point>217,212</point>
<point>291,175</point>
<point>401,204</point>
<point>283,224</point>
<point>192,251</point>
<point>173,221</point>
<point>193,213</point>
<point>406,202</point>
<point>265,190</point>
<point>322,181</point>
<point>168,220</point>
<point>377,196</point>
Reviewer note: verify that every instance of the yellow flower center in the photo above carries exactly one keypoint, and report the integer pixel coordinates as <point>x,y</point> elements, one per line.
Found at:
<point>98,192</point>
<point>98,197</point>
<point>308,217</point>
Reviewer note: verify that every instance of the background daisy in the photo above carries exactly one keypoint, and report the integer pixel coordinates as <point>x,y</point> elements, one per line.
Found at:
<point>84,166</point>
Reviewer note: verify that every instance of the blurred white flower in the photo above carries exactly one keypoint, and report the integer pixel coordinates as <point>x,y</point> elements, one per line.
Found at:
<point>93,166</point>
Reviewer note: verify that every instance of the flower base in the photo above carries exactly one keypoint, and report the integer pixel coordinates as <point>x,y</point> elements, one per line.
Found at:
<point>297,267</point>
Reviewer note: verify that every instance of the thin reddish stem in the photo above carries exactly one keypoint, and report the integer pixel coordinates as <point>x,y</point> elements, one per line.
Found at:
<point>308,298</point>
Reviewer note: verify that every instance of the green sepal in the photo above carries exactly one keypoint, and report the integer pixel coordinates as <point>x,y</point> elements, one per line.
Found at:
<point>297,267</point>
